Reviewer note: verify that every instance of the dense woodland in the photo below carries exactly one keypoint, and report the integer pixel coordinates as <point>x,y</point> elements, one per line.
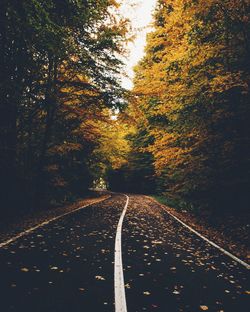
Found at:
<point>182,132</point>
<point>60,67</point>
<point>192,107</point>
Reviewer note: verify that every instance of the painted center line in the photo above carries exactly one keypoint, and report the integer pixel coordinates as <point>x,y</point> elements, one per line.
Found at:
<point>120,298</point>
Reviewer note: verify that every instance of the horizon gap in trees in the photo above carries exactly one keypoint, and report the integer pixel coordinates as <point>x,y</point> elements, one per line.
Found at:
<point>181,132</point>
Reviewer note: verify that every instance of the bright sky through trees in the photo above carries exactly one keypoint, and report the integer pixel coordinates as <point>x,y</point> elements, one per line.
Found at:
<point>183,129</point>
<point>140,14</point>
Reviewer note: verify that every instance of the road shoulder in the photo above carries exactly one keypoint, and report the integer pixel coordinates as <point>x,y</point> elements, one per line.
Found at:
<point>215,235</point>
<point>23,223</point>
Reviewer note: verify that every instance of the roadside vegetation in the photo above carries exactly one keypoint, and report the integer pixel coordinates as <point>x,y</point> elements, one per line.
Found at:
<point>191,107</point>
<point>61,69</point>
<point>181,133</point>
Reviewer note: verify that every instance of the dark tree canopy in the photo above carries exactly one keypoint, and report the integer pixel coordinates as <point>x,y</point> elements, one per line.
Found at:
<point>60,72</point>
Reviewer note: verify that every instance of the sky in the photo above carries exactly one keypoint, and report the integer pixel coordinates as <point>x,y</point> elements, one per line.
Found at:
<point>140,14</point>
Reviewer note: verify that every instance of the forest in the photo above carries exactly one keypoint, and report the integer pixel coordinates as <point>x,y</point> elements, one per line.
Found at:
<point>66,122</point>
<point>191,106</point>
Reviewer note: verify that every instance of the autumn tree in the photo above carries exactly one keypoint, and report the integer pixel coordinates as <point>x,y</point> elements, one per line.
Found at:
<point>60,67</point>
<point>194,88</point>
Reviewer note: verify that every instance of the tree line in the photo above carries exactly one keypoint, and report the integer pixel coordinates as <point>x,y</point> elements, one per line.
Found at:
<point>60,80</point>
<point>65,121</point>
<point>191,106</point>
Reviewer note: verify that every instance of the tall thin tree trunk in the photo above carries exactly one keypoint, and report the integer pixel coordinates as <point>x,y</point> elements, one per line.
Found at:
<point>11,89</point>
<point>50,105</point>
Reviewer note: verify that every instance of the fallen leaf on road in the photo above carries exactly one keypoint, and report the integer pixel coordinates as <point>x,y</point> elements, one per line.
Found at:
<point>156,242</point>
<point>204,307</point>
<point>99,278</point>
<point>24,270</point>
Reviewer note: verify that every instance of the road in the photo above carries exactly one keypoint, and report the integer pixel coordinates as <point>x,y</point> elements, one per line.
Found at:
<point>68,264</point>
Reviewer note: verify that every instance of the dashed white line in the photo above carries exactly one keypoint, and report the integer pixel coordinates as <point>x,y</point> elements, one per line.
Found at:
<point>7,242</point>
<point>120,297</point>
<point>246,265</point>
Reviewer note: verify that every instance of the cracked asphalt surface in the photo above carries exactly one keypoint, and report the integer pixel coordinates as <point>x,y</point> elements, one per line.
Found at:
<point>68,265</point>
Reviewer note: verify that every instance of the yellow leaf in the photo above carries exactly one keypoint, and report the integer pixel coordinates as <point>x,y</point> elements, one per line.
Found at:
<point>204,307</point>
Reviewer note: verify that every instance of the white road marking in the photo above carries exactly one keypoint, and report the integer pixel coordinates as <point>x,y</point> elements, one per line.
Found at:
<point>7,242</point>
<point>246,265</point>
<point>120,298</point>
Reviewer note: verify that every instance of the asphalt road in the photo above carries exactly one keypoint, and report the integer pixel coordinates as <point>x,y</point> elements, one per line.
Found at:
<point>68,265</point>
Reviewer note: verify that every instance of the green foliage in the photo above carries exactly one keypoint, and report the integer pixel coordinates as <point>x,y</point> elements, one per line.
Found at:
<point>60,62</point>
<point>185,133</point>
<point>193,91</point>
